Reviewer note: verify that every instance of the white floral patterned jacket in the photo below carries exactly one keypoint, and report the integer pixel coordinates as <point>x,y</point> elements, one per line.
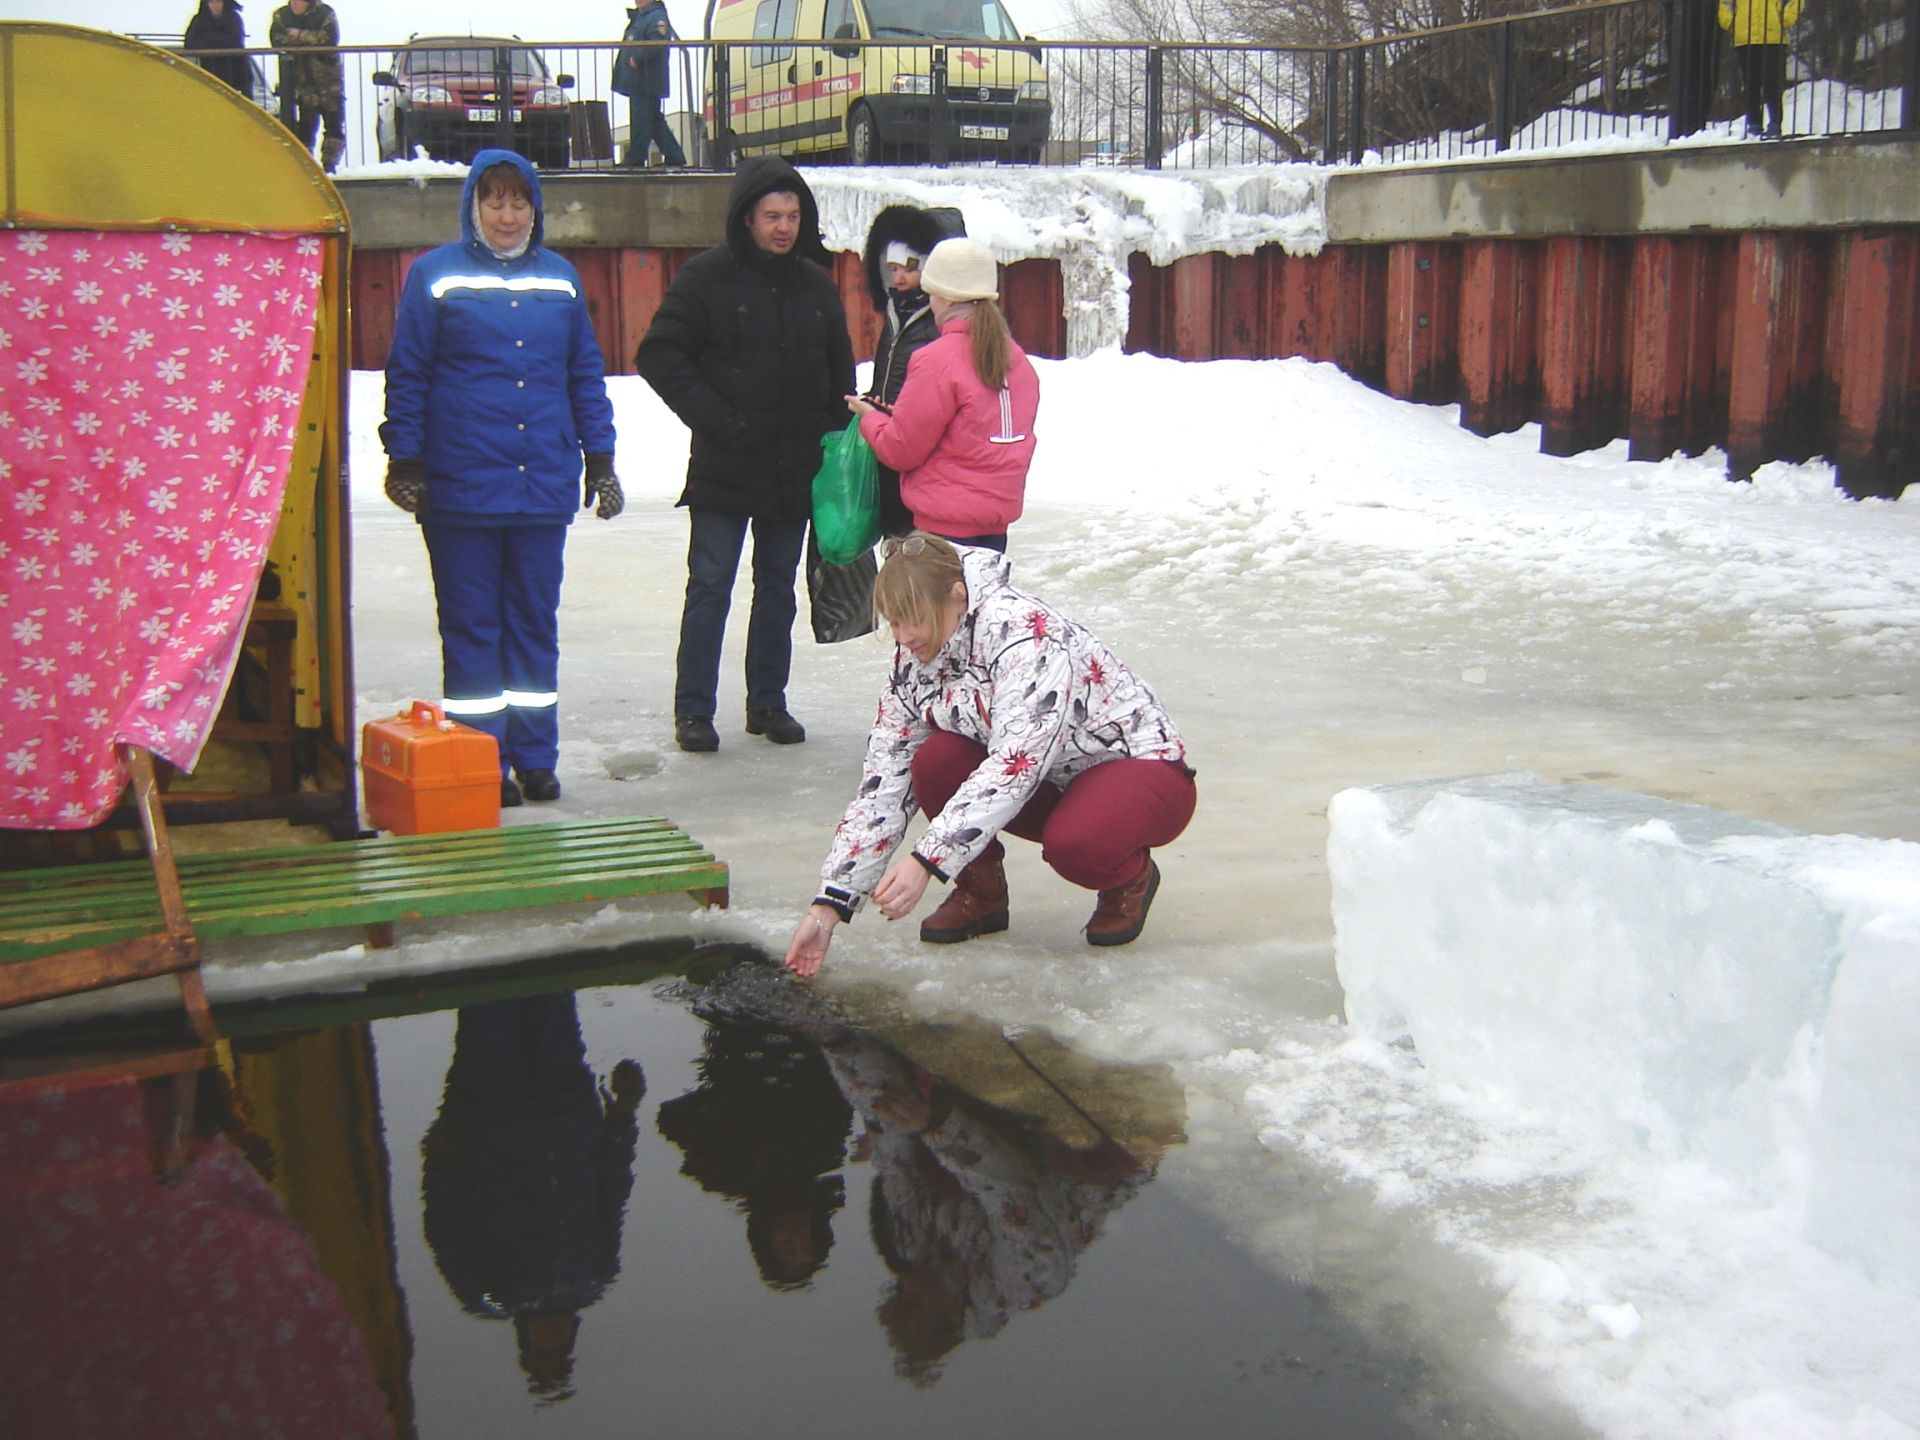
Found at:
<point>1045,698</point>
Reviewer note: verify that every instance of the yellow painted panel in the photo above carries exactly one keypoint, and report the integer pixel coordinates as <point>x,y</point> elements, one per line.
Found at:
<point>101,132</point>
<point>296,551</point>
<point>98,130</point>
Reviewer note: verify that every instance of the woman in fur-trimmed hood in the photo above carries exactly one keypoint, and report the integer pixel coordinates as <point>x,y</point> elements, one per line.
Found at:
<point>898,242</point>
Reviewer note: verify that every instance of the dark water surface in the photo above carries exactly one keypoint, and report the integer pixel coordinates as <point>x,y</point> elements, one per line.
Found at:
<point>663,1191</point>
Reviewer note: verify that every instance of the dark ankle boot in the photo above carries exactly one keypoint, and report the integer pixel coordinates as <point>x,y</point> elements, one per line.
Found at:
<point>977,904</point>
<point>1122,912</point>
<point>777,725</point>
<point>538,785</point>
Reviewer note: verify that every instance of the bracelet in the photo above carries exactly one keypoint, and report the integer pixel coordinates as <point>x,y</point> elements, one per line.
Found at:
<point>823,929</point>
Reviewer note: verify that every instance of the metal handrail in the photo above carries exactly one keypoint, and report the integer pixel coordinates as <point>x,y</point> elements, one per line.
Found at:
<point>1611,69</point>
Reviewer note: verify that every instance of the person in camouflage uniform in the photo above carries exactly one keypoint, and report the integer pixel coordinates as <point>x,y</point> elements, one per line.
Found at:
<point>312,91</point>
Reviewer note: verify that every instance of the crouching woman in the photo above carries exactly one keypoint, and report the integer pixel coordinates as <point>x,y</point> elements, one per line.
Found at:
<point>999,713</point>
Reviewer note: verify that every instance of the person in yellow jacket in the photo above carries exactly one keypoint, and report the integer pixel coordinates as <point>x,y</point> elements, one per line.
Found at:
<point>1759,31</point>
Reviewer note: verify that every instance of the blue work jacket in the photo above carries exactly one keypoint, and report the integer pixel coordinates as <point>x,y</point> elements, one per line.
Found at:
<point>494,377</point>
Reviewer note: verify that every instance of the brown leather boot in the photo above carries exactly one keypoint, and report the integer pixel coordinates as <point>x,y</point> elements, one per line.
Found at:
<point>1122,912</point>
<point>977,904</point>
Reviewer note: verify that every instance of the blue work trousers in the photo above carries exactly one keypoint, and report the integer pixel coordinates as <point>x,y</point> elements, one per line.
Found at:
<point>647,126</point>
<point>497,588</point>
<point>714,541</point>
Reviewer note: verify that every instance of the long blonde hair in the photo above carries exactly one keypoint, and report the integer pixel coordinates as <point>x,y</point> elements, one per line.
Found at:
<point>916,580</point>
<point>992,341</point>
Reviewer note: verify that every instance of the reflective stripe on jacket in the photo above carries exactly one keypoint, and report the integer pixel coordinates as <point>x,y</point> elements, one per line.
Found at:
<point>494,377</point>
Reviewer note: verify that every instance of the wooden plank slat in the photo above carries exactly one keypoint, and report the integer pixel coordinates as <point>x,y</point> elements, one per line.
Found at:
<point>365,882</point>
<point>532,843</point>
<point>211,902</point>
<point>210,890</point>
<point>136,955</point>
<point>420,902</point>
<point>211,898</point>
<point>451,843</point>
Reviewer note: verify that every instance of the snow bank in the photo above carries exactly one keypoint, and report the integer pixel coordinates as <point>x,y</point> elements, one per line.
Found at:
<point>1092,221</point>
<point>1655,977</point>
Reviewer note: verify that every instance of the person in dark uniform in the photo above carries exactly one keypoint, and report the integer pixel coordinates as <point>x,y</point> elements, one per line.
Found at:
<point>495,391</point>
<point>526,1172</point>
<point>641,73</point>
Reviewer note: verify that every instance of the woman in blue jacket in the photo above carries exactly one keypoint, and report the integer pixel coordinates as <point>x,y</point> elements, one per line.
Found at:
<point>495,392</point>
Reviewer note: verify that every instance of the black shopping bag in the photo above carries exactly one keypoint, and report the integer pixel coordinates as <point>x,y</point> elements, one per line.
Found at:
<point>840,596</point>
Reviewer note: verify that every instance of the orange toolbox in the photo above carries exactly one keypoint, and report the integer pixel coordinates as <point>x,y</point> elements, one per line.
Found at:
<point>426,774</point>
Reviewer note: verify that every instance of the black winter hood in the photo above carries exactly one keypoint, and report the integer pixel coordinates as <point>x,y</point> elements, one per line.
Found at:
<point>762,175</point>
<point>919,229</point>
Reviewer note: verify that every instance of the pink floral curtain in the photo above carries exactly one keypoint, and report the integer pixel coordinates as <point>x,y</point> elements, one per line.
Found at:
<point>150,390</point>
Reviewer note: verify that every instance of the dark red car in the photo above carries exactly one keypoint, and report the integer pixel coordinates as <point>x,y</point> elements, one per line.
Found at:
<point>454,95</point>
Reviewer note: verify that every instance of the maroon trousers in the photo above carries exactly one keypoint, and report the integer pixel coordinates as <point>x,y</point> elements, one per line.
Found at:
<point>1097,831</point>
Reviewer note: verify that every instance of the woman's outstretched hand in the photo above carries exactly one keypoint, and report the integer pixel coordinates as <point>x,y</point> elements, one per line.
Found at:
<point>901,887</point>
<point>811,937</point>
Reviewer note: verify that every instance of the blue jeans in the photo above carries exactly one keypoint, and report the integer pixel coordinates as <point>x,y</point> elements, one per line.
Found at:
<point>714,540</point>
<point>497,588</point>
<point>647,126</point>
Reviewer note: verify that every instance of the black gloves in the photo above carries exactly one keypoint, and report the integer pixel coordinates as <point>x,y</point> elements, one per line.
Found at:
<point>407,484</point>
<point>603,485</point>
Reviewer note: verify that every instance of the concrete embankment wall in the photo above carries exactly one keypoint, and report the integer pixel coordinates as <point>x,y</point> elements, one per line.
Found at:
<point>1760,298</point>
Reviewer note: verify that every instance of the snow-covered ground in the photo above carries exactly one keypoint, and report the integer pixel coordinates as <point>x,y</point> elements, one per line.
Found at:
<point>1329,588</point>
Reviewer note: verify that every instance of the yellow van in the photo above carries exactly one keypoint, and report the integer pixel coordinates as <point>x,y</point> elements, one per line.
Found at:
<point>786,86</point>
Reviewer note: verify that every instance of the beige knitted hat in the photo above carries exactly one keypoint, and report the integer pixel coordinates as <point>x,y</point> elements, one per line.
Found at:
<point>960,269</point>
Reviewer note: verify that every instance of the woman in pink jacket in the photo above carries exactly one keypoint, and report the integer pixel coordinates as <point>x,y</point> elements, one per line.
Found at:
<point>961,433</point>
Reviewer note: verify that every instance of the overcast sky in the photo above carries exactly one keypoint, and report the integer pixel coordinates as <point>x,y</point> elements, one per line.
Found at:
<point>367,24</point>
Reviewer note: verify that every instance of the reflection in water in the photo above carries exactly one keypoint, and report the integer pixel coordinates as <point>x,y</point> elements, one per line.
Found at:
<point>766,1127</point>
<point>150,1281</point>
<point>988,1165</point>
<point>978,1211</point>
<point>525,1177</point>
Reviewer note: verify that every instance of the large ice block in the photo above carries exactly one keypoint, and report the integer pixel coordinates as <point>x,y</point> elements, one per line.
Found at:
<point>1652,975</point>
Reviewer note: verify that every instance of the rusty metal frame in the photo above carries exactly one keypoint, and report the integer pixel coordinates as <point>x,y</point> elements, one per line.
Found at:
<point>174,952</point>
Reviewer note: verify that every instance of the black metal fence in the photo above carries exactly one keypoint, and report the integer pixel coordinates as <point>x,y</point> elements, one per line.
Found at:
<point>1612,74</point>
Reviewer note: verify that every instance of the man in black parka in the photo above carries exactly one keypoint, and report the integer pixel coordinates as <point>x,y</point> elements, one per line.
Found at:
<point>750,349</point>
<point>901,237</point>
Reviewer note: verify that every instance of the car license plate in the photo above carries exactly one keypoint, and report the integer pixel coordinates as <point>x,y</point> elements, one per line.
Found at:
<point>983,132</point>
<point>487,117</point>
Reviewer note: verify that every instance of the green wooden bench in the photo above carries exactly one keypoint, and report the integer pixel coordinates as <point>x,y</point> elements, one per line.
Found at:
<point>374,882</point>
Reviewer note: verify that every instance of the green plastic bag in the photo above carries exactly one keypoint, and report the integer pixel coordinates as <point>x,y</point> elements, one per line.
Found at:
<point>846,496</point>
